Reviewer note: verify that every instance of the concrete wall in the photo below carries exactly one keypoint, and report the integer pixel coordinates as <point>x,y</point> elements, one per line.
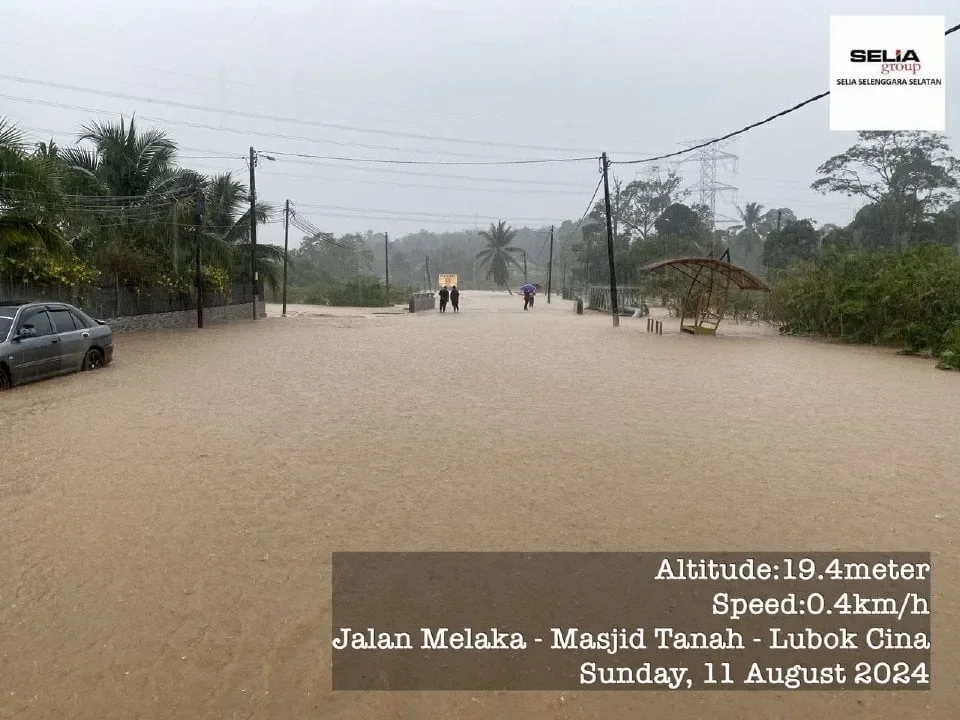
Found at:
<point>422,301</point>
<point>185,319</point>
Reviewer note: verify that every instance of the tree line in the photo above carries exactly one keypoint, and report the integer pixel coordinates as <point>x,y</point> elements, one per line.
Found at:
<point>119,207</point>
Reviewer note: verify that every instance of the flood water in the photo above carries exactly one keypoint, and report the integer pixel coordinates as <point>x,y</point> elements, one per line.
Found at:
<point>167,523</point>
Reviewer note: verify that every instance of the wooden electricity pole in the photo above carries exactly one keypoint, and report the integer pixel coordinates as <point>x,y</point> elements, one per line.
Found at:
<point>550,267</point>
<point>614,305</point>
<point>286,238</point>
<point>201,212</point>
<point>386,264</point>
<point>253,226</point>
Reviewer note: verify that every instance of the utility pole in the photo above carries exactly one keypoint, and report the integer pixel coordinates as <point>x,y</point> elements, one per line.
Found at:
<point>550,268</point>
<point>614,305</point>
<point>286,238</point>
<point>525,266</point>
<point>429,279</point>
<point>359,277</point>
<point>956,225</point>
<point>201,212</point>
<point>779,213</point>
<point>253,226</point>
<point>386,264</point>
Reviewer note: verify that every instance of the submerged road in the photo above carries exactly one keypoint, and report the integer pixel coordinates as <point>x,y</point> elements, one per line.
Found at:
<point>167,523</point>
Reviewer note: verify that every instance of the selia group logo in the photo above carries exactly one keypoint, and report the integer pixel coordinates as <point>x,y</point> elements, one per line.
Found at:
<point>898,61</point>
<point>887,72</point>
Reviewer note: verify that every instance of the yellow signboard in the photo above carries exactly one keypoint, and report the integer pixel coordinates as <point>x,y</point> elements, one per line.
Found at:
<point>448,280</point>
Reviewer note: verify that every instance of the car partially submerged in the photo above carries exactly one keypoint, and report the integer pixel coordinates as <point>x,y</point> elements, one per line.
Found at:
<point>39,340</point>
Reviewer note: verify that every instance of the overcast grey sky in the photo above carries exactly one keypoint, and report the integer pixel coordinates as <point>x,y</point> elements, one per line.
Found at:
<point>632,78</point>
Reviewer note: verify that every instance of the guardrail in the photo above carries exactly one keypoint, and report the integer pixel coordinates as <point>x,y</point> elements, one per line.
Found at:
<point>627,297</point>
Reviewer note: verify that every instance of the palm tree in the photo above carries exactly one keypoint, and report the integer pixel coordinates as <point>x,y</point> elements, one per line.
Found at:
<point>30,198</point>
<point>124,162</point>
<point>750,216</point>
<point>227,230</point>
<point>498,256</point>
<point>748,238</point>
<point>127,191</point>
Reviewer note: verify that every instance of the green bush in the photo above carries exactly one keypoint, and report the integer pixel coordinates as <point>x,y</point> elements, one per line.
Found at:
<point>368,292</point>
<point>950,355</point>
<point>909,300</point>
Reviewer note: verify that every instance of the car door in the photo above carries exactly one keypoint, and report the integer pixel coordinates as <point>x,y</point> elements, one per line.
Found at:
<point>38,356</point>
<point>74,339</point>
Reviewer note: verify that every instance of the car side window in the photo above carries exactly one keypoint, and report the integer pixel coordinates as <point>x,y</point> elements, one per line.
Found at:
<point>38,320</point>
<point>79,320</point>
<point>63,320</point>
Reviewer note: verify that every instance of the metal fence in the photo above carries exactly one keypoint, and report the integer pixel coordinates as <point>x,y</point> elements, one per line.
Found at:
<point>627,297</point>
<point>119,300</point>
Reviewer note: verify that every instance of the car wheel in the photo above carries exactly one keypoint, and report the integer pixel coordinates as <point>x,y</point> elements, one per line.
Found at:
<point>93,359</point>
<point>5,383</point>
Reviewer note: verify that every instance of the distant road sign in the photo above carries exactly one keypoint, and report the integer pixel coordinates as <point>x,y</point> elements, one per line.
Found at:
<point>446,279</point>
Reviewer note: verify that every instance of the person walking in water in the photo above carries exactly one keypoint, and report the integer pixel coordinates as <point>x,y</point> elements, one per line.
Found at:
<point>528,291</point>
<point>455,299</point>
<point>444,297</point>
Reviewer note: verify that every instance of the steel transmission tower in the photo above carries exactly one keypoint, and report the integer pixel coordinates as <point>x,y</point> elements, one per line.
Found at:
<point>709,158</point>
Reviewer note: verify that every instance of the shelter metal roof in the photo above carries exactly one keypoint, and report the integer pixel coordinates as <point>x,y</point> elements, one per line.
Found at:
<point>692,267</point>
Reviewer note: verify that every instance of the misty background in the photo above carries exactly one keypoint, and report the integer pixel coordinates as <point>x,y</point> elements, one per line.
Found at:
<point>496,80</point>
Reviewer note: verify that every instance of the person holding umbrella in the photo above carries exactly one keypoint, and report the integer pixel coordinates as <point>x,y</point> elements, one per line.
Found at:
<point>528,290</point>
<point>537,287</point>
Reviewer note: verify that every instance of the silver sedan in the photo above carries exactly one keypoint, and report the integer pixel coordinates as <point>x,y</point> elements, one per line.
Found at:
<point>41,340</point>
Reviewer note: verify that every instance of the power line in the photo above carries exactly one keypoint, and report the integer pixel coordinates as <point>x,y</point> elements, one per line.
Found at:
<point>576,227</point>
<point>398,220</point>
<point>313,231</point>
<point>743,130</point>
<point>533,161</point>
<point>463,217</point>
<point>41,135</point>
<point>587,211</point>
<point>238,131</point>
<point>297,91</point>
<point>226,155</point>
<point>500,191</point>
<point>277,118</point>
<point>478,178</point>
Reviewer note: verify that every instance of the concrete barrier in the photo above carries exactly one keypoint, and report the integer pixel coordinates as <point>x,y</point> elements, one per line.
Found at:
<point>422,301</point>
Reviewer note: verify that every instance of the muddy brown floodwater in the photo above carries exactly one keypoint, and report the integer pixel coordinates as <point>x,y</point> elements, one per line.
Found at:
<point>166,524</point>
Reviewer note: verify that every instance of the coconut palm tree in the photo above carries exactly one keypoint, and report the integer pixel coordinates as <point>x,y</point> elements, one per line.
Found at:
<point>747,242</point>
<point>124,162</point>
<point>498,257</point>
<point>30,200</point>
<point>129,187</point>
<point>227,230</point>
<point>750,216</point>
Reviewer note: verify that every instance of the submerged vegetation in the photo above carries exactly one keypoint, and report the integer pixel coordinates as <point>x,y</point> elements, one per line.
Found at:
<point>909,300</point>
